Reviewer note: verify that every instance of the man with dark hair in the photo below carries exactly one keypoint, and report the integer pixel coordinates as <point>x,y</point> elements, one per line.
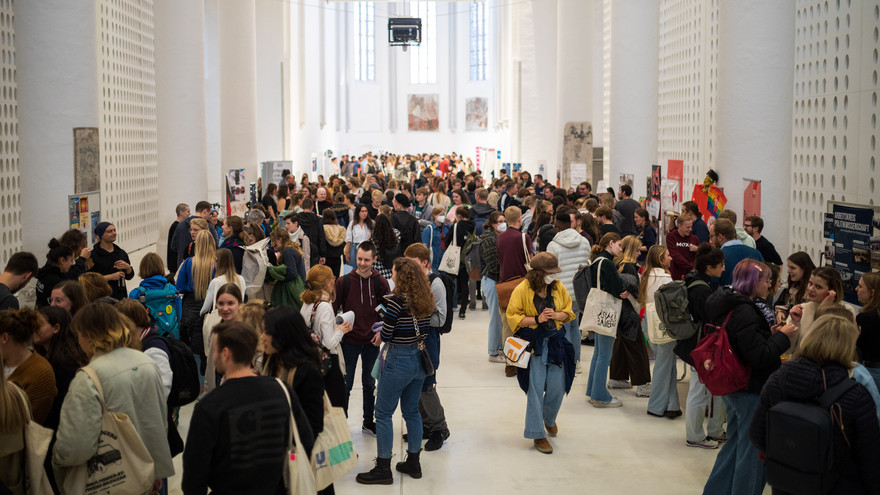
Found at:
<point>723,235</point>
<point>539,184</point>
<point>699,227</point>
<point>627,208</point>
<point>740,232</point>
<point>753,226</point>
<point>313,227</point>
<point>605,218</point>
<point>291,225</point>
<point>19,270</point>
<point>239,433</point>
<point>404,222</point>
<point>361,291</point>
<point>183,213</point>
<point>509,196</point>
<point>585,190</point>
<point>181,238</point>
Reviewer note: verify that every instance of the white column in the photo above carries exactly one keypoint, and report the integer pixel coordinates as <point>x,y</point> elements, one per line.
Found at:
<point>180,108</point>
<point>574,75</point>
<point>755,92</point>
<point>57,76</point>
<point>633,119</point>
<point>238,87</point>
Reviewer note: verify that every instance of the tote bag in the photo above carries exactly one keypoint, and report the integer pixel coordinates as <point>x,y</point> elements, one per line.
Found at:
<point>36,446</point>
<point>122,464</point>
<point>451,259</point>
<point>654,328</point>
<point>333,454</point>
<point>298,475</point>
<point>602,311</point>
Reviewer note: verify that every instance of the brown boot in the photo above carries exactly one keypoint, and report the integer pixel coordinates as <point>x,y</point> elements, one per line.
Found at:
<point>552,430</point>
<point>543,446</point>
<point>509,371</point>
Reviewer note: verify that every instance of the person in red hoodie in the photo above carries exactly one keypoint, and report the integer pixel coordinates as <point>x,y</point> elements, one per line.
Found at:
<point>362,291</point>
<point>682,246</point>
<point>444,167</point>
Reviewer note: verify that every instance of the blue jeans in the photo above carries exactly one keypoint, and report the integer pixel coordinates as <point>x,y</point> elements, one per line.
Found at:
<point>490,295</point>
<point>573,334</point>
<point>368,354</point>
<point>401,381</point>
<point>664,385</point>
<point>596,383</point>
<point>432,343</point>
<point>544,397</point>
<point>737,470</point>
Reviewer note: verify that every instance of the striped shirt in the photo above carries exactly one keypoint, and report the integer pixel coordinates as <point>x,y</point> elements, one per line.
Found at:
<point>397,327</point>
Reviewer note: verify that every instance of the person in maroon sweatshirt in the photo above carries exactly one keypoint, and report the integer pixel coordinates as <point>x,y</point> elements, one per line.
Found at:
<point>512,260</point>
<point>682,246</point>
<point>361,291</point>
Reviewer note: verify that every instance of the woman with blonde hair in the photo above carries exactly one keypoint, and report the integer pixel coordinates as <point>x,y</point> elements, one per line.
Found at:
<point>629,358</point>
<point>225,274</point>
<point>439,198</point>
<point>96,288</point>
<point>664,391</point>
<point>408,311</point>
<point>196,225</point>
<point>193,278</point>
<point>317,311</point>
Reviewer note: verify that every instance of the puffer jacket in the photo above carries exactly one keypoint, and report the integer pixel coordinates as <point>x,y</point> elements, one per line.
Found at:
<point>335,236</point>
<point>573,251</point>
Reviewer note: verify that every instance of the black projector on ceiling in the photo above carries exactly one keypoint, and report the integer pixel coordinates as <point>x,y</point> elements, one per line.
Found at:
<point>404,31</point>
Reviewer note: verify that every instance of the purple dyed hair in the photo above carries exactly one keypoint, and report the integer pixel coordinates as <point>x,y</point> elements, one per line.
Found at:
<point>747,274</point>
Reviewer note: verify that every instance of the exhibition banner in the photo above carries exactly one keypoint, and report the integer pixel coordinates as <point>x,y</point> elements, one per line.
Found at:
<point>850,251</point>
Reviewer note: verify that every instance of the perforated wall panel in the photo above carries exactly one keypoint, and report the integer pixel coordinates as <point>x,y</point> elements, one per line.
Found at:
<point>10,179</point>
<point>834,132</point>
<point>128,120</point>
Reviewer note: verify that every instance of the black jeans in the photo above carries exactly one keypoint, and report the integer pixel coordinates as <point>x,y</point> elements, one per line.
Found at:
<point>462,287</point>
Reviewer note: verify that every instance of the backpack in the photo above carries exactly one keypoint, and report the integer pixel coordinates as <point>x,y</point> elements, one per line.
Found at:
<point>479,221</point>
<point>717,365</point>
<point>185,386</point>
<point>800,443</point>
<point>471,257</point>
<point>671,303</point>
<point>253,269</point>
<point>448,283</point>
<point>582,285</point>
<point>164,307</point>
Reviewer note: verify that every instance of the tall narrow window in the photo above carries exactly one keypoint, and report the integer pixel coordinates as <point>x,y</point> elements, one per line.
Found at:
<point>478,41</point>
<point>365,42</point>
<point>423,59</point>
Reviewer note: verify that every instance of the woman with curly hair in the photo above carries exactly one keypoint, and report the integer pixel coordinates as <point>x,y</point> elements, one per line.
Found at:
<point>408,311</point>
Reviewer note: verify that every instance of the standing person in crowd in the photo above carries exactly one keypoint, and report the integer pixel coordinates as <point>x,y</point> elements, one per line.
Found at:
<point>627,208</point>
<point>322,322</point>
<point>182,211</point>
<point>229,456</point>
<point>514,248</point>
<point>741,234</point>
<point>868,344</point>
<point>825,285</point>
<point>59,259</point>
<point>737,467</point>
<point>313,227</point>
<point>508,198</point>
<point>459,198</point>
<point>723,235</point>
<point>465,227</point>
<point>539,308</point>
<point>387,244</point>
<point>489,271</point>
<point>193,278</point>
<point>181,238</point>
<point>375,200</point>
<point>754,226</point>
<point>439,198</point>
<point>96,288</point>
<point>335,236</point>
<point>296,234</point>
<point>421,208</point>
<point>55,342</point>
<point>224,273</point>
<point>629,358</point>
<point>700,403</point>
<point>282,199</point>
<point>21,365</point>
<point>291,257</point>
<point>233,240</point>
<point>228,302</point>
<point>404,222</point>
<point>268,202</point>
<point>589,229</point>
<point>605,217</point>
<point>433,415</point>
<point>481,208</point>
<point>826,359</point>
<point>78,244</point>
<point>682,246</point>
<point>361,291</point>
<point>800,269</point>
<point>131,385</point>
<point>322,203</point>
<point>360,230</point>
<point>647,233</point>
<point>432,236</point>
<point>603,271</point>
<point>573,251</point>
<point>664,391</point>
<point>16,415</point>
<point>196,225</point>
<point>408,310</point>
<point>699,227</point>
<point>110,260</point>
<point>68,295</point>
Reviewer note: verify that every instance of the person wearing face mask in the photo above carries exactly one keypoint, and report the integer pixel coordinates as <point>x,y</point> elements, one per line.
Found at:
<point>432,236</point>
<point>538,311</point>
<point>489,271</point>
<point>573,251</point>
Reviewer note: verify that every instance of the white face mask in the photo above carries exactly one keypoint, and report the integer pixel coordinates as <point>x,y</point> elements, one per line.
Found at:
<point>548,279</point>
<point>501,227</point>
<point>440,218</point>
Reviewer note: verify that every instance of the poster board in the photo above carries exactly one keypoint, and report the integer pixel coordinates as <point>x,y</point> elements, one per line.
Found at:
<point>670,200</point>
<point>675,171</point>
<point>236,192</point>
<point>577,147</point>
<point>854,246</point>
<point>577,173</point>
<point>752,199</point>
<point>270,172</point>
<point>84,212</point>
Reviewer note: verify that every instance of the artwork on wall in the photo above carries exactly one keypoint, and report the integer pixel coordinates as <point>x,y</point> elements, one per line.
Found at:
<point>423,112</point>
<point>86,163</point>
<point>577,147</point>
<point>477,114</point>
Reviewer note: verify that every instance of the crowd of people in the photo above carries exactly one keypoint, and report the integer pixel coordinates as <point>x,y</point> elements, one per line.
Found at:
<point>357,268</point>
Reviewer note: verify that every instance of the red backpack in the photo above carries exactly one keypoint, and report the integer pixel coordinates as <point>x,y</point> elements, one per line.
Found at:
<point>716,363</point>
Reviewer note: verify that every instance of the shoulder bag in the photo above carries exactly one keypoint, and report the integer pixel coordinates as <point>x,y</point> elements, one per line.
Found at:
<point>298,475</point>
<point>452,257</point>
<point>517,352</point>
<point>427,364</point>
<point>333,454</point>
<point>36,446</point>
<point>505,289</point>
<point>602,310</point>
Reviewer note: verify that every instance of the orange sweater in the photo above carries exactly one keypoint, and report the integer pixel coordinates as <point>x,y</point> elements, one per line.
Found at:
<point>36,378</point>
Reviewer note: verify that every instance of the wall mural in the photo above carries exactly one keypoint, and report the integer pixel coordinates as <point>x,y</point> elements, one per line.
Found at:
<point>423,112</point>
<point>477,111</point>
<point>86,164</point>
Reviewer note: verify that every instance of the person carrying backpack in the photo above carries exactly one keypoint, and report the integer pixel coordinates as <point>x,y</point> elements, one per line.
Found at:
<point>159,296</point>
<point>845,425</point>
<point>737,468</point>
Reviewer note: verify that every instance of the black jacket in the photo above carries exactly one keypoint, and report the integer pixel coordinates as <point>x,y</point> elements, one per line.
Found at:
<point>749,334</point>
<point>408,226</point>
<point>545,235</point>
<point>802,380</point>
<point>47,278</point>
<point>465,227</point>
<point>697,296</point>
<point>313,227</point>
<point>103,264</point>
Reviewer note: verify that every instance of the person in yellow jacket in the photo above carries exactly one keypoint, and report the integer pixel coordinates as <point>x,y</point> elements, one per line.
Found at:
<point>538,310</point>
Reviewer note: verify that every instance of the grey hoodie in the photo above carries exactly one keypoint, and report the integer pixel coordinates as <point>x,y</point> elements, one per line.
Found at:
<point>573,251</point>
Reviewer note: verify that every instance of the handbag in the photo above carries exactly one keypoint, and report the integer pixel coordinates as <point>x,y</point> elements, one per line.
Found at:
<point>451,259</point>
<point>505,289</point>
<point>36,446</point>
<point>427,364</point>
<point>654,328</point>
<point>333,454</point>
<point>298,475</point>
<point>517,352</point>
<point>121,466</point>
<point>602,311</point>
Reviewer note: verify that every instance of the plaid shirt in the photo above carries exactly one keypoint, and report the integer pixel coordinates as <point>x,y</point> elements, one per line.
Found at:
<point>489,255</point>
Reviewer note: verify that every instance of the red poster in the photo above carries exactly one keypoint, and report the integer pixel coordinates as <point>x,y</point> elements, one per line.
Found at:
<point>675,171</point>
<point>752,199</point>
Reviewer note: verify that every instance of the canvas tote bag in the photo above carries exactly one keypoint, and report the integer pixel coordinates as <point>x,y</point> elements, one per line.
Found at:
<point>333,454</point>
<point>602,311</point>
<point>451,259</point>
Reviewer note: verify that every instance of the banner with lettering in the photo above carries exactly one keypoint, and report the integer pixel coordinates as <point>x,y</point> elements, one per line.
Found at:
<point>851,253</point>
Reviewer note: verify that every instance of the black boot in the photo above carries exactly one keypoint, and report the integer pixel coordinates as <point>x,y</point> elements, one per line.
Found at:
<point>411,466</point>
<point>381,474</point>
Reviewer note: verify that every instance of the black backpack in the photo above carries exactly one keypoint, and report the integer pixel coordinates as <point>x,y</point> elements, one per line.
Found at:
<point>185,386</point>
<point>800,443</point>
<point>449,283</point>
<point>346,286</point>
<point>582,285</point>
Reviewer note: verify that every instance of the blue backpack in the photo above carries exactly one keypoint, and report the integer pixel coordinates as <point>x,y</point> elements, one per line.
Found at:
<point>164,307</point>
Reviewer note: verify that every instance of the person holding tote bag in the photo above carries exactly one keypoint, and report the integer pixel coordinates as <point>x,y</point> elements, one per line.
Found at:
<point>463,227</point>
<point>664,391</point>
<point>604,275</point>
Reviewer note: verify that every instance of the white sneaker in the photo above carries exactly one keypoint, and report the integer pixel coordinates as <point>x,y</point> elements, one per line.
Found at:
<point>618,384</point>
<point>614,402</point>
<point>577,369</point>
<point>497,358</point>
<point>705,444</point>
<point>643,390</point>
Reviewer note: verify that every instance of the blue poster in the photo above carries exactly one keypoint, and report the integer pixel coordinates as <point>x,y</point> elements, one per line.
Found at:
<point>851,248</point>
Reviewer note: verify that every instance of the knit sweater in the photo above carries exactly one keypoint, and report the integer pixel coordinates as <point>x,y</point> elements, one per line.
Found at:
<point>682,256</point>
<point>35,376</point>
